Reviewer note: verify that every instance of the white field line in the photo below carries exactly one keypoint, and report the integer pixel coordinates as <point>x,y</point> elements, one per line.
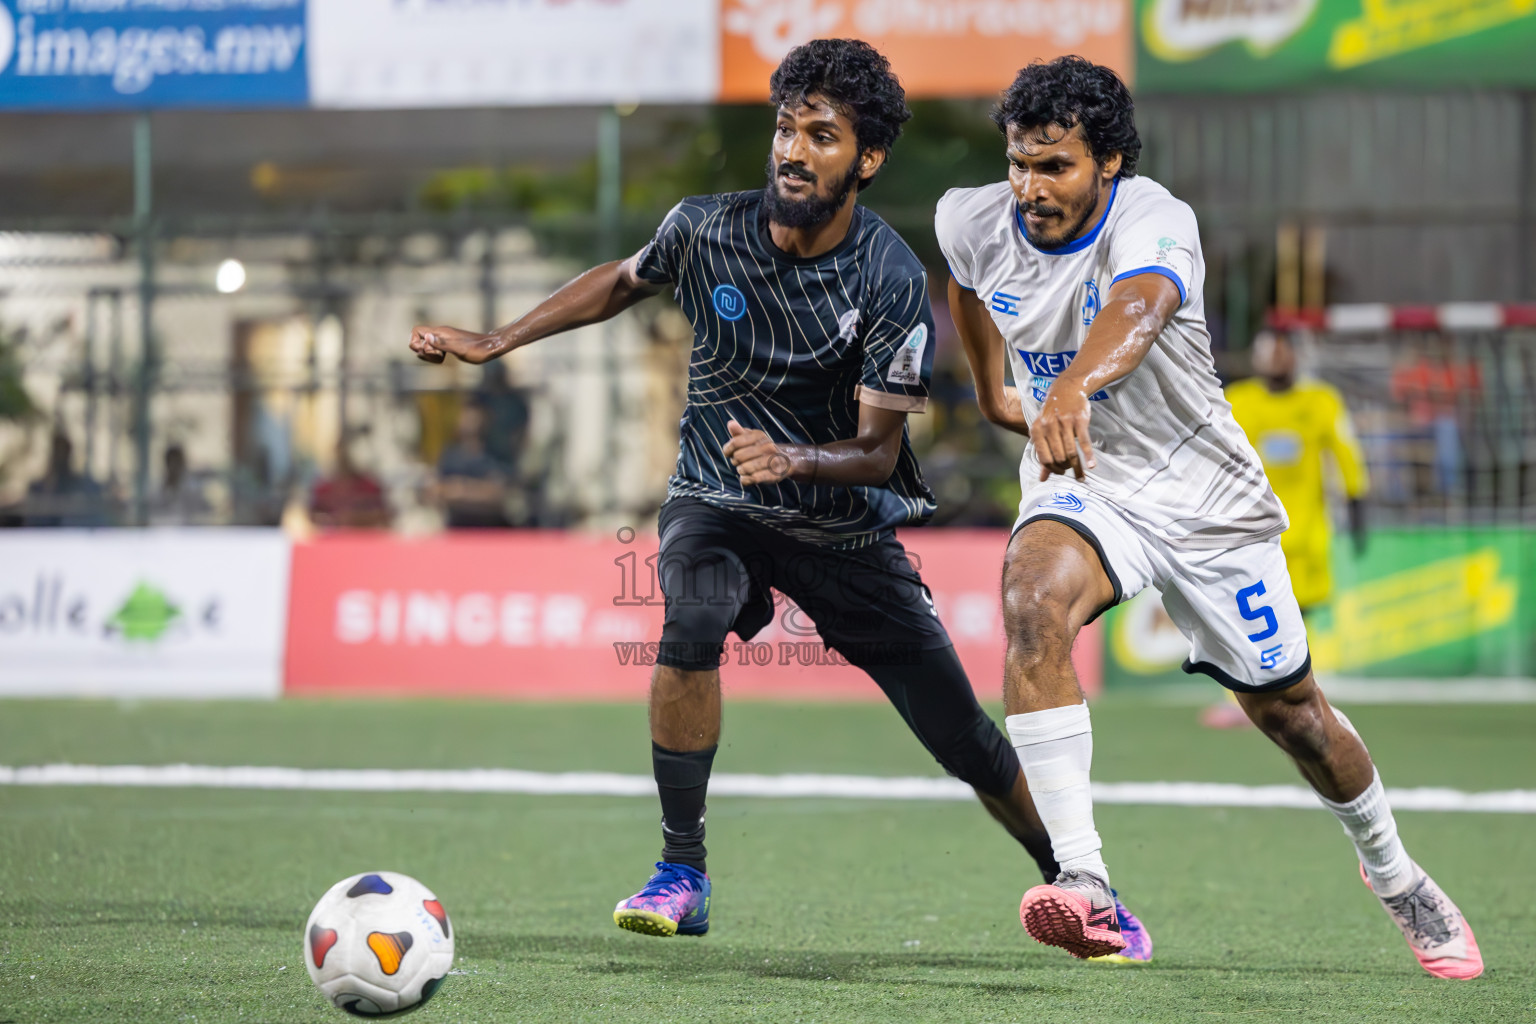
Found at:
<point>865,787</point>
<point>1346,691</point>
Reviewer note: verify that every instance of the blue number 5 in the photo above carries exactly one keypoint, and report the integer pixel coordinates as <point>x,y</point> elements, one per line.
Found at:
<point>1265,614</point>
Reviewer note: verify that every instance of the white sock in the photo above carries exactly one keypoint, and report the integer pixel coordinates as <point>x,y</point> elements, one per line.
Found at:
<point>1368,821</point>
<point>1056,750</point>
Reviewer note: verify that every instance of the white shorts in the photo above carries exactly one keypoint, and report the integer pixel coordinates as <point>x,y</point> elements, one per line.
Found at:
<point>1234,605</point>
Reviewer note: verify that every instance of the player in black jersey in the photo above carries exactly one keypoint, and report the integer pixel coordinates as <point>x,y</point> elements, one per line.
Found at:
<point>812,344</point>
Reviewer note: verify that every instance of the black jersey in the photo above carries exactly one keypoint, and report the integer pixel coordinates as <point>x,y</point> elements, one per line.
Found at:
<point>790,346</point>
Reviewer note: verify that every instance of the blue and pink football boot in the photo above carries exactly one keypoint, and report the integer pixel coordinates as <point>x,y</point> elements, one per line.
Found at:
<point>674,902</point>
<point>1138,942</point>
<point>1080,913</point>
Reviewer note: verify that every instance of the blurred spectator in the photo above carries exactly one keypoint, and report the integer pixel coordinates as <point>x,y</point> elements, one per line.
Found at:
<point>259,499</point>
<point>506,414</point>
<point>1298,427</point>
<point>62,497</point>
<point>180,500</point>
<point>474,486</point>
<point>967,463</point>
<point>348,499</point>
<point>974,480</point>
<point>1433,386</point>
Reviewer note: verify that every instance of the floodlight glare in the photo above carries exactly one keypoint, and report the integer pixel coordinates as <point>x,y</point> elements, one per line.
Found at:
<point>231,276</point>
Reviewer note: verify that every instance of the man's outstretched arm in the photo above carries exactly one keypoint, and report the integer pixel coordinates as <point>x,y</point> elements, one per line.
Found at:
<point>866,460</point>
<point>1134,314</point>
<point>601,293</point>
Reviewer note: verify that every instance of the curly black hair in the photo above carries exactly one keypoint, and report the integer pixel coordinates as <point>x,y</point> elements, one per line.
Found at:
<point>1074,91</point>
<point>856,79</point>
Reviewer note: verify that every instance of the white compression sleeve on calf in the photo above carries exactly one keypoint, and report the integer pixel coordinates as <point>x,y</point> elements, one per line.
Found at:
<point>1368,821</point>
<point>1056,750</point>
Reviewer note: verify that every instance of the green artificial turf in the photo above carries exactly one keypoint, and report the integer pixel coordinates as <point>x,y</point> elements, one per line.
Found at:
<point>187,905</point>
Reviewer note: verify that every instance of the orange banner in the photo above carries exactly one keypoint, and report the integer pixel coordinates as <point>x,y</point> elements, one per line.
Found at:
<point>940,48</point>
<point>556,616</point>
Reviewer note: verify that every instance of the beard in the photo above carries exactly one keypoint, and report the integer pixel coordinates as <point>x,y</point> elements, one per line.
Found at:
<point>1054,241</point>
<point>812,211</point>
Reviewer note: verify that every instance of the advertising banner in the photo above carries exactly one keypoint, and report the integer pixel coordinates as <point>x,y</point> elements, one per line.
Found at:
<point>938,47</point>
<point>142,613</point>
<point>559,617</point>
<point>1421,603</point>
<point>382,54</point>
<point>468,53</point>
<point>1218,46</point>
<point>104,54</point>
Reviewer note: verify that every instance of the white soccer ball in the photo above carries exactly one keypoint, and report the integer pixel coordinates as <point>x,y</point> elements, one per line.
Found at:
<point>378,943</point>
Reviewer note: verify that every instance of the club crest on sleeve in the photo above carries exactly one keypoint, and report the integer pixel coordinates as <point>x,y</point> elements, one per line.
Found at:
<point>907,363</point>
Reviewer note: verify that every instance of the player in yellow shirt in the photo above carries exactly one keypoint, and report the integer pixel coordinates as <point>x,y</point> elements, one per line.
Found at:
<point>1296,426</point>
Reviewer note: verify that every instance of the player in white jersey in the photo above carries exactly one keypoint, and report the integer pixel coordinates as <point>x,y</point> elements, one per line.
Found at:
<point>1087,280</point>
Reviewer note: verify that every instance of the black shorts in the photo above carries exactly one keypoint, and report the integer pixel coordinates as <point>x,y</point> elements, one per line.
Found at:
<point>718,570</point>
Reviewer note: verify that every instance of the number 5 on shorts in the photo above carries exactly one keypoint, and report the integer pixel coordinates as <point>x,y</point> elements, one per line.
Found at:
<point>1264,614</point>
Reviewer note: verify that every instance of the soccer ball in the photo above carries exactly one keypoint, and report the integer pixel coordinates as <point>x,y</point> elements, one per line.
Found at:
<point>378,944</point>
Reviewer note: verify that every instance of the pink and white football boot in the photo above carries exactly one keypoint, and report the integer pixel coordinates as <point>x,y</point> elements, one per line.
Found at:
<point>1437,933</point>
<point>1077,913</point>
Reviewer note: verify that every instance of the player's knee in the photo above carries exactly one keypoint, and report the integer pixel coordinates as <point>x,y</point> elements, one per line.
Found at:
<point>693,635</point>
<point>979,755</point>
<point>1036,621</point>
<point>692,642</point>
<point>703,600</point>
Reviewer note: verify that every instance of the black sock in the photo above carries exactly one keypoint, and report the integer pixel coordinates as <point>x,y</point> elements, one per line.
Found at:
<point>682,779</point>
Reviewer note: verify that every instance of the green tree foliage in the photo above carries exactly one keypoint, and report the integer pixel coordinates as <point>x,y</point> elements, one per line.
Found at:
<point>946,144</point>
<point>15,403</point>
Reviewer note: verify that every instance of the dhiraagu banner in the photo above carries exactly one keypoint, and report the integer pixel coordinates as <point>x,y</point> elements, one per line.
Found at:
<point>1226,46</point>
<point>1420,604</point>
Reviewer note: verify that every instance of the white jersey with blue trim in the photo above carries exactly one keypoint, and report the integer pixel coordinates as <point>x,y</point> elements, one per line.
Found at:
<point>1169,453</point>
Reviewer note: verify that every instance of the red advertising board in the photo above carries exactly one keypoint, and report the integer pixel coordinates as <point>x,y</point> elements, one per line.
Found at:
<point>561,616</point>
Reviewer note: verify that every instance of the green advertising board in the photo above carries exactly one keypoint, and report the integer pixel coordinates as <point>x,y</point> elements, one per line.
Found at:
<point>1419,604</point>
<point>1240,46</point>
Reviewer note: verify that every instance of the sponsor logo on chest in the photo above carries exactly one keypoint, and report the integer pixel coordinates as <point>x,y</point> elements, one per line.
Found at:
<point>729,302</point>
<point>1005,303</point>
<point>1091,303</point>
<point>1043,368</point>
